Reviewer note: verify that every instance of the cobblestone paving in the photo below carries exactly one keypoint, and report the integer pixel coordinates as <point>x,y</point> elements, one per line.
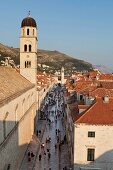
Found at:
<point>58,159</point>
<point>34,147</point>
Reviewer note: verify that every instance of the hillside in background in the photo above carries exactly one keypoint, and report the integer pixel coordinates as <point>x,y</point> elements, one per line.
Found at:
<point>103,69</point>
<point>6,51</point>
<point>54,59</point>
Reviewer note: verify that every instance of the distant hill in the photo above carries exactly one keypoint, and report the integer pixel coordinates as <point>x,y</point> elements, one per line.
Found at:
<point>103,69</point>
<point>6,51</point>
<point>54,59</point>
<point>57,59</point>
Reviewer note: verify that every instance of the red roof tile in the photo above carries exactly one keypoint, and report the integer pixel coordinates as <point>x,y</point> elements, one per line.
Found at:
<point>99,113</point>
<point>101,92</point>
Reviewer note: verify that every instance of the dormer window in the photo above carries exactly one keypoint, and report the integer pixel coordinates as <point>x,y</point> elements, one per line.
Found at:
<point>27,31</point>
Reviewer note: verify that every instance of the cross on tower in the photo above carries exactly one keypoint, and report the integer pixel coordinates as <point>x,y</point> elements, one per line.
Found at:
<point>29,13</point>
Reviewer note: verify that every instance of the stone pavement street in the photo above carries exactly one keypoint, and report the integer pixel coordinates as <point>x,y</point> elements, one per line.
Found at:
<point>59,159</point>
<point>33,146</point>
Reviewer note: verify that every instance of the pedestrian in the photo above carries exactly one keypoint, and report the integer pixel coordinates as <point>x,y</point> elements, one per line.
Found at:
<point>32,154</point>
<point>44,153</point>
<point>28,153</point>
<point>55,146</point>
<point>49,155</point>
<point>48,150</point>
<point>40,157</point>
<point>65,138</point>
<point>57,139</point>
<point>56,131</point>
<point>42,145</point>
<point>37,132</point>
<point>49,139</point>
<point>29,158</point>
<point>9,166</point>
<point>46,140</point>
<point>59,147</point>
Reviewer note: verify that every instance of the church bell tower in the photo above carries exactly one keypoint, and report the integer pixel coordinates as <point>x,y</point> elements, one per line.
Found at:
<point>28,49</point>
<point>62,75</point>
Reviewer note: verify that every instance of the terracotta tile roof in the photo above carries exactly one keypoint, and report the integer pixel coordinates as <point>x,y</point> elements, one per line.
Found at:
<point>88,89</point>
<point>101,92</point>
<point>83,106</point>
<point>99,113</point>
<point>93,74</point>
<point>106,77</point>
<point>83,86</point>
<point>12,83</point>
<point>107,85</point>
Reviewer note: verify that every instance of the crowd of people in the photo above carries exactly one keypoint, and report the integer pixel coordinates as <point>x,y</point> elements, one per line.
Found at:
<point>53,113</point>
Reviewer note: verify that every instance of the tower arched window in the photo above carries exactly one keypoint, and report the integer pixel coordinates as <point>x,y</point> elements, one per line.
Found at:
<point>27,31</point>
<point>27,64</point>
<point>29,48</point>
<point>25,47</point>
<point>23,32</point>
<point>33,32</point>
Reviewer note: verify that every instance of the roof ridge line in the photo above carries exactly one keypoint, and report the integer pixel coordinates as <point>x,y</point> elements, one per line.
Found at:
<point>85,112</point>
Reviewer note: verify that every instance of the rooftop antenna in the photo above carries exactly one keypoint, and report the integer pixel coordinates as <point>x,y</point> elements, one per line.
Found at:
<point>29,14</point>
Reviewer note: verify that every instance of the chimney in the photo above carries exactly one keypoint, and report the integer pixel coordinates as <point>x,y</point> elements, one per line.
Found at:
<point>106,99</point>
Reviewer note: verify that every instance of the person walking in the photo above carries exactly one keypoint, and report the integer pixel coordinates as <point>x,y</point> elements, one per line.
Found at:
<point>56,131</point>
<point>44,153</point>
<point>32,154</point>
<point>29,156</point>
<point>49,155</point>
<point>40,157</point>
<point>55,146</point>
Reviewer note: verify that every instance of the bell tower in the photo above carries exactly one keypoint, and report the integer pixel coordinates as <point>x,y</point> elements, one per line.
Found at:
<point>28,49</point>
<point>62,75</point>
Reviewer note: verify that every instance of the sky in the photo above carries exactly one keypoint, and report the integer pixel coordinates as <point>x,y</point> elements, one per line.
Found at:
<point>82,29</point>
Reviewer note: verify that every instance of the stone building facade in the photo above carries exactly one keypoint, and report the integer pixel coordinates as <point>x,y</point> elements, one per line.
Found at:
<point>20,100</point>
<point>93,147</point>
<point>17,114</point>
